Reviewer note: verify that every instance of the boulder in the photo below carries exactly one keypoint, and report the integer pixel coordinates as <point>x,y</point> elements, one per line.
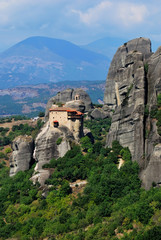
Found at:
<point>99,113</point>
<point>78,105</point>
<point>21,157</point>
<point>40,176</point>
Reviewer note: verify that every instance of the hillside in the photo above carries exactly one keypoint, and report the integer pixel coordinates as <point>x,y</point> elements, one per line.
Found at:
<point>43,60</point>
<point>86,197</point>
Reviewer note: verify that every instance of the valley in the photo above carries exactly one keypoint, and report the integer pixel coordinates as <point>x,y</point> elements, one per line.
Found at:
<point>85,171</point>
<point>30,100</point>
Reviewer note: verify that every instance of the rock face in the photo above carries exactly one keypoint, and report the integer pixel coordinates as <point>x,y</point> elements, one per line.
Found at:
<point>132,85</point>
<point>152,167</point>
<point>121,71</point>
<point>152,172</point>
<point>84,102</point>
<point>126,93</point>
<point>21,157</point>
<point>46,146</point>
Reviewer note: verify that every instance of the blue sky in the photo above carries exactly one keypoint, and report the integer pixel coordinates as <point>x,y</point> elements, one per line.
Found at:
<point>79,21</point>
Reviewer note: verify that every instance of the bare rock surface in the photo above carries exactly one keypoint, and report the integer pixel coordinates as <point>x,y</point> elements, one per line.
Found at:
<point>120,74</point>
<point>152,173</point>
<point>99,114</point>
<point>78,105</point>
<point>132,86</point>
<point>70,95</point>
<point>41,176</point>
<point>21,157</point>
<point>46,146</point>
<point>125,92</point>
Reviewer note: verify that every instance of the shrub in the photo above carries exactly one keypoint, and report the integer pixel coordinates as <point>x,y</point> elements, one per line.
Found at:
<point>8,150</point>
<point>146,66</point>
<point>159,100</point>
<point>116,147</point>
<point>86,143</point>
<point>2,155</point>
<point>125,153</point>
<point>59,140</point>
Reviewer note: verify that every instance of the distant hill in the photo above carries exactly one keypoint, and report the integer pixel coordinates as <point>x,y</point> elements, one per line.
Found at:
<point>42,60</point>
<point>31,99</point>
<point>109,45</point>
<point>106,46</point>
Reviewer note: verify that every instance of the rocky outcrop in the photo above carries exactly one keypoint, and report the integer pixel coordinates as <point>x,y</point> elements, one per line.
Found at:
<point>132,86</point>
<point>151,172</point>
<point>21,158</point>
<point>46,146</point>
<point>122,71</point>
<point>126,93</point>
<point>68,95</point>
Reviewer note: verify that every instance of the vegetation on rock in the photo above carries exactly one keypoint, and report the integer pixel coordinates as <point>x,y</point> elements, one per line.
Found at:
<point>99,128</point>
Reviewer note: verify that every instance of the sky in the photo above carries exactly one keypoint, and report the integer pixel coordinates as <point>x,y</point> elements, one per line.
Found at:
<point>79,21</point>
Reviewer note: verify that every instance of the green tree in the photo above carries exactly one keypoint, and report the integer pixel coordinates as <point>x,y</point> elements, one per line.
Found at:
<point>86,143</point>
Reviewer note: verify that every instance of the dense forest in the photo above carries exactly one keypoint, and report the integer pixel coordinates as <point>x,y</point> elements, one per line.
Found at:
<point>110,205</point>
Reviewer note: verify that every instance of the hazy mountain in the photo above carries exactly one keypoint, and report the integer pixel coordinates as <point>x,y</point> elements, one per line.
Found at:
<point>106,46</point>
<point>42,60</point>
<point>109,45</point>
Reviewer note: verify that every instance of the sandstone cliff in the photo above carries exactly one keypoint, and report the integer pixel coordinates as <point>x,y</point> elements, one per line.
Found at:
<point>132,86</point>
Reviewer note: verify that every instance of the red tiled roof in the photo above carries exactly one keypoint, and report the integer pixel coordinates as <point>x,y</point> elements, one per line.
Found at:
<point>55,121</point>
<point>79,113</point>
<point>72,110</point>
<point>64,109</point>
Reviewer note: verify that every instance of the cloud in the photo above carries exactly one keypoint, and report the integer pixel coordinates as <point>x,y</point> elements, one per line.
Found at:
<point>20,13</point>
<point>112,12</point>
<point>129,13</point>
<point>95,14</point>
<point>79,21</point>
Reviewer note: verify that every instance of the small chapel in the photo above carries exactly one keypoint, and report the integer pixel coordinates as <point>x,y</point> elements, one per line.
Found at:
<point>64,116</point>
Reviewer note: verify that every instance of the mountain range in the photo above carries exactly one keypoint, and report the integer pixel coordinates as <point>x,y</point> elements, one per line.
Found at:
<point>38,60</point>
